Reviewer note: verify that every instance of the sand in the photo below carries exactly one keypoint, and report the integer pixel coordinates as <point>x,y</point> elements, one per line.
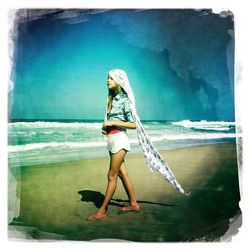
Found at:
<point>56,199</point>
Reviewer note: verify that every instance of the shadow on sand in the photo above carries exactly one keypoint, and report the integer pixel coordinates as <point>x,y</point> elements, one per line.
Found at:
<point>97,198</point>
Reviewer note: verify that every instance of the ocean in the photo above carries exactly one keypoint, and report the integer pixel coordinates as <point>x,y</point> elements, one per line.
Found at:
<point>43,142</point>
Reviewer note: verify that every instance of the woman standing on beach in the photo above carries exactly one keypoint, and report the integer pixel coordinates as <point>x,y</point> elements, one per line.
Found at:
<point>118,119</point>
<point>121,115</point>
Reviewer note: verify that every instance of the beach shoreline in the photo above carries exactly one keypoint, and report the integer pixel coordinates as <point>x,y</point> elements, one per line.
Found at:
<point>53,201</point>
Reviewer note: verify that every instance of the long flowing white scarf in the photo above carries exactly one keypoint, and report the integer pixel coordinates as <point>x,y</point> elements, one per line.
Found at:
<point>153,159</point>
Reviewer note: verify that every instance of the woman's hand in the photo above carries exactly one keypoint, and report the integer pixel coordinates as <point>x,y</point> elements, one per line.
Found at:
<point>104,131</point>
<point>105,126</point>
<point>108,124</point>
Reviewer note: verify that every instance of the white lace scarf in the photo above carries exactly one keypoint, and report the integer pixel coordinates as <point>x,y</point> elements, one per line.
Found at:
<point>153,159</point>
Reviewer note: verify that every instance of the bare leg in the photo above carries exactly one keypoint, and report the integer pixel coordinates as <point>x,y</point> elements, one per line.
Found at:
<point>115,164</point>
<point>127,183</point>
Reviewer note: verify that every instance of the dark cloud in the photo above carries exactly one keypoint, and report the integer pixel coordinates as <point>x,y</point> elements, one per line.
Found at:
<point>69,15</point>
<point>200,45</point>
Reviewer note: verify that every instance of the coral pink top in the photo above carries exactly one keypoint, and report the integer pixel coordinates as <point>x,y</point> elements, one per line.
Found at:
<point>113,130</point>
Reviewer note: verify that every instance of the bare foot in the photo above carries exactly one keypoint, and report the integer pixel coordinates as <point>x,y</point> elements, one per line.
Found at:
<point>97,216</point>
<point>130,208</point>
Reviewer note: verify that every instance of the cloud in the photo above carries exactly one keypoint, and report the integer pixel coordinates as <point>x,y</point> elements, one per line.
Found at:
<point>199,44</point>
<point>68,15</point>
<point>188,35</point>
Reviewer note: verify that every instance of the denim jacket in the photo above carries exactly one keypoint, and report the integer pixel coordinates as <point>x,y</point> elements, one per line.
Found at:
<point>120,109</point>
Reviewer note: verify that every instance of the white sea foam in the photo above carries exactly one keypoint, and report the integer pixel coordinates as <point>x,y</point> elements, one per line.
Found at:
<point>55,124</point>
<point>43,136</point>
<point>177,137</point>
<point>206,125</point>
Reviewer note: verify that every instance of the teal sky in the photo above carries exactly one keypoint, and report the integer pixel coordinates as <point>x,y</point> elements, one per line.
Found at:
<point>179,62</point>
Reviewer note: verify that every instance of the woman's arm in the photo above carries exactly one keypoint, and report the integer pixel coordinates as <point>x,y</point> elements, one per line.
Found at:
<point>130,125</point>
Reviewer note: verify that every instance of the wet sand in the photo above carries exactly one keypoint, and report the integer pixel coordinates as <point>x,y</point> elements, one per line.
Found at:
<point>56,199</point>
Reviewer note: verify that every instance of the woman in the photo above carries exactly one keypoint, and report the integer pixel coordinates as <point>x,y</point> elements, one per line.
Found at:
<point>120,115</point>
<point>118,119</point>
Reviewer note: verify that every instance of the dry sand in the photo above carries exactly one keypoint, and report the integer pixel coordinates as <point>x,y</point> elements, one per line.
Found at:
<point>56,199</point>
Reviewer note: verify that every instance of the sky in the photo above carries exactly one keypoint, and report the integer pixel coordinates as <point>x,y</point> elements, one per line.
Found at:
<point>180,63</point>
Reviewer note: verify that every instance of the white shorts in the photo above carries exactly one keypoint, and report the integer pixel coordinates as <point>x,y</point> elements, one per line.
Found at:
<point>118,141</point>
